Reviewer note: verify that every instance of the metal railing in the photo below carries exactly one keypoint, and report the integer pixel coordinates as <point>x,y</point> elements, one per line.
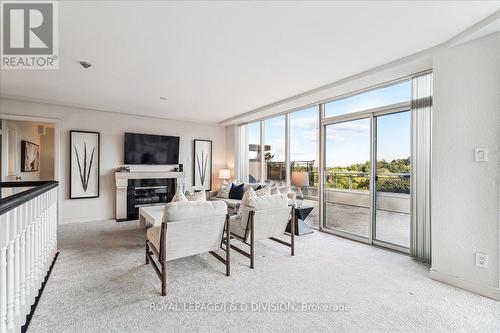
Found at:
<point>346,180</point>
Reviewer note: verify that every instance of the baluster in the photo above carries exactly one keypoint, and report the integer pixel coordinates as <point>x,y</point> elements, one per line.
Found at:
<point>27,268</point>
<point>45,234</point>
<point>22,273</point>
<point>33,251</point>
<point>10,272</point>
<point>49,229</point>
<point>53,219</point>
<point>45,228</point>
<point>4,240</point>
<point>42,240</point>
<point>42,235</point>
<point>56,217</point>
<point>17,267</point>
<point>39,243</point>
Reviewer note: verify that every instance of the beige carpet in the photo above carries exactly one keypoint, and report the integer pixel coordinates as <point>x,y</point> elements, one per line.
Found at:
<point>100,284</point>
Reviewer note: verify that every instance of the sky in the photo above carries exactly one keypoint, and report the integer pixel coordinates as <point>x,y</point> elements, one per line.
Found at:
<point>346,143</point>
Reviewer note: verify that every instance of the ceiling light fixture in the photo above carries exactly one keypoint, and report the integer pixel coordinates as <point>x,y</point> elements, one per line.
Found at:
<point>85,64</point>
<point>163,98</point>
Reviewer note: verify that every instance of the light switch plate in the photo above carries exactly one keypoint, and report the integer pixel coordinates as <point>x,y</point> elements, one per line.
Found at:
<point>481,154</point>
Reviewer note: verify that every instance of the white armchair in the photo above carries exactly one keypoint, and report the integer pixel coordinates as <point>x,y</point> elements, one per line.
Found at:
<point>188,228</point>
<point>266,218</point>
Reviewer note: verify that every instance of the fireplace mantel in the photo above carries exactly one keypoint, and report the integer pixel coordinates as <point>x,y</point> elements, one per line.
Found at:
<point>121,180</point>
<point>148,175</point>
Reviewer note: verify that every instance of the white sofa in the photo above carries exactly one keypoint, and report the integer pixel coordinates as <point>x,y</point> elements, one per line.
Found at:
<point>234,204</point>
<point>188,228</point>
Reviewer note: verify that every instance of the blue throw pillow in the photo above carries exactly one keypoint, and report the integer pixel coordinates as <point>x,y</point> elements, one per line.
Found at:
<point>236,191</point>
<point>258,188</point>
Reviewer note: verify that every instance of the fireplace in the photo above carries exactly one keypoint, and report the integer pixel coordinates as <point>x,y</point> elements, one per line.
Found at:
<point>136,188</point>
<point>148,192</point>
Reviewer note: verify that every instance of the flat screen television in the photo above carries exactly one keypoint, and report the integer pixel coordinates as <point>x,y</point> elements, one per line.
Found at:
<point>151,149</point>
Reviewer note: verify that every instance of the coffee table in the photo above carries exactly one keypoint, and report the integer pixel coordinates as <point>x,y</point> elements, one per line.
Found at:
<point>150,216</point>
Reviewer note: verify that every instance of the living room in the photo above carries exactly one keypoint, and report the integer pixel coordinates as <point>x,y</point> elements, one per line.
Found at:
<point>251,166</point>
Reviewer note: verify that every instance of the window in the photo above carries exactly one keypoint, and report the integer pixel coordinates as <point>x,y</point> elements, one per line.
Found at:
<point>397,93</point>
<point>254,152</point>
<point>304,151</point>
<point>274,150</point>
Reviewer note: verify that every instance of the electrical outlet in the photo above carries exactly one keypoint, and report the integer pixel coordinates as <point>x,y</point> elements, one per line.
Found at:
<point>481,154</point>
<point>481,260</point>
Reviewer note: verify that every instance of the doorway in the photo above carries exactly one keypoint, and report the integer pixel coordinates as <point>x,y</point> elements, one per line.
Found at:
<point>29,150</point>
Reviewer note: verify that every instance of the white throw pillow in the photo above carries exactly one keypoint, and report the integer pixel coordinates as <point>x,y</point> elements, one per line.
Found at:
<point>179,197</point>
<point>197,196</point>
<point>247,201</point>
<point>284,190</point>
<point>263,192</point>
<point>224,191</point>
<point>274,189</point>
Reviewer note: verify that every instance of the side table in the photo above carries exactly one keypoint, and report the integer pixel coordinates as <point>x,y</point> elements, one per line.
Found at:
<point>301,213</point>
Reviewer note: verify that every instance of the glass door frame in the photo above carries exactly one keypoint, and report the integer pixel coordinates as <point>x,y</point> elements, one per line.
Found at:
<point>371,114</point>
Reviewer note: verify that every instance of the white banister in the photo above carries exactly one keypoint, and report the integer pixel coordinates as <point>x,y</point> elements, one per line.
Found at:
<point>28,246</point>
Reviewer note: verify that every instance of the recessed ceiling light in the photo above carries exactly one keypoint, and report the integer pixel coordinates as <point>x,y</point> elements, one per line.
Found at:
<point>85,64</point>
<point>163,98</point>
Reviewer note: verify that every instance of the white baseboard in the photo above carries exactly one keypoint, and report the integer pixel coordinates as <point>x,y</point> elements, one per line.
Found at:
<point>482,290</point>
<point>85,219</point>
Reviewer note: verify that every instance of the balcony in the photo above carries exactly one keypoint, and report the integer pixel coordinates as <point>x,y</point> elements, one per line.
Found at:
<point>347,203</point>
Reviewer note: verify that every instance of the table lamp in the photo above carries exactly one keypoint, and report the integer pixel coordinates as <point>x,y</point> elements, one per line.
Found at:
<point>224,174</point>
<point>299,179</point>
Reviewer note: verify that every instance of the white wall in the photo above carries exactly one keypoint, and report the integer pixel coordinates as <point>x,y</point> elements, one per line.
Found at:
<point>112,126</point>
<point>465,193</point>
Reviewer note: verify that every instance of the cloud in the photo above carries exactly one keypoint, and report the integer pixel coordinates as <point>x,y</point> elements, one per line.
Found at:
<point>342,131</point>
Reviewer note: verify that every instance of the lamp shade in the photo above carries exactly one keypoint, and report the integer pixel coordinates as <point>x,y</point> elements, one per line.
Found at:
<point>224,174</point>
<point>300,178</point>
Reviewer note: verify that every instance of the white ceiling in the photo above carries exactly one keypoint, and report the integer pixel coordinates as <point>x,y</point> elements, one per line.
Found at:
<point>215,60</point>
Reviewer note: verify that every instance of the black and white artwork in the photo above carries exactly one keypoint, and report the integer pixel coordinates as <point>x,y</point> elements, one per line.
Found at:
<point>202,165</point>
<point>84,164</point>
<point>30,156</point>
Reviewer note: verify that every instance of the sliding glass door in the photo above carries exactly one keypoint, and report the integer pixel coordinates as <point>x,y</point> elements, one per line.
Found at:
<point>347,177</point>
<point>367,166</point>
<point>393,149</point>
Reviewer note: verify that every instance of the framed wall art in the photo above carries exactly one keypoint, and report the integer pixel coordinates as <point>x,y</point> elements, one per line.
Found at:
<point>84,164</point>
<point>202,171</point>
<point>30,156</point>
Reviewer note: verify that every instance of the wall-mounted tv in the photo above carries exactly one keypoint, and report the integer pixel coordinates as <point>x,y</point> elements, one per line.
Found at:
<point>151,149</point>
